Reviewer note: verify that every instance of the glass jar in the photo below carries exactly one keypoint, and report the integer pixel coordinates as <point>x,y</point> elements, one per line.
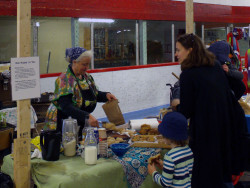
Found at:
<point>69,136</point>
<point>90,148</point>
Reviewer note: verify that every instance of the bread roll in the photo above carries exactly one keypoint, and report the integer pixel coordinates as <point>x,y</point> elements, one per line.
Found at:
<point>152,159</point>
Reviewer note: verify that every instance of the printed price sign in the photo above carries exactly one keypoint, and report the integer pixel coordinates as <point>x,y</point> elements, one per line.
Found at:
<point>25,78</point>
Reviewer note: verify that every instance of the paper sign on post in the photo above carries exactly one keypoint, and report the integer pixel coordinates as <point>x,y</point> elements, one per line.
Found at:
<point>25,78</point>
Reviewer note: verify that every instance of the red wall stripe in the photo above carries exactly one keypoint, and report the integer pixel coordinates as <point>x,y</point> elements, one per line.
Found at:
<point>115,69</point>
<point>212,13</point>
<point>131,9</point>
<point>241,14</point>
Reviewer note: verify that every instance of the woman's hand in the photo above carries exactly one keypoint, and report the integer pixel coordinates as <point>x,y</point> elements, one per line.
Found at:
<point>151,168</point>
<point>110,96</point>
<point>93,121</point>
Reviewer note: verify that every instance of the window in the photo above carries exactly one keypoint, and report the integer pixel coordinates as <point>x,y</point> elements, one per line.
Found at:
<point>159,44</point>
<point>8,38</point>
<point>114,43</point>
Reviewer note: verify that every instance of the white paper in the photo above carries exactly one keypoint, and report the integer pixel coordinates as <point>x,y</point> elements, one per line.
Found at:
<point>136,124</point>
<point>25,78</point>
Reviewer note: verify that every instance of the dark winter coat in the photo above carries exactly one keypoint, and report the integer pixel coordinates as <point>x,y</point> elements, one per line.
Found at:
<point>217,123</point>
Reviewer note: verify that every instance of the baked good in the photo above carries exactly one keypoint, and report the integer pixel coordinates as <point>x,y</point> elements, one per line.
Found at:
<point>145,126</point>
<point>136,138</point>
<point>147,130</point>
<point>112,140</point>
<point>150,139</point>
<point>109,126</point>
<point>144,129</point>
<point>245,106</point>
<point>154,158</point>
<point>153,132</point>
<point>142,138</point>
<point>119,139</point>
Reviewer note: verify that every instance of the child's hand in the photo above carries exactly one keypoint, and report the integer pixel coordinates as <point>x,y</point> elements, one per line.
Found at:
<point>174,104</point>
<point>159,163</point>
<point>225,68</point>
<point>151,168</point>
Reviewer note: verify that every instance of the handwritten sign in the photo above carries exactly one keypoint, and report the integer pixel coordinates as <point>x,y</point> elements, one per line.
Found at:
<point>25,78</point>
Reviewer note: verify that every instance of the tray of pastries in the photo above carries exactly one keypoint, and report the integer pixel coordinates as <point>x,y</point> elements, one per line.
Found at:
<point>148,137</point>
<point>117,134</point>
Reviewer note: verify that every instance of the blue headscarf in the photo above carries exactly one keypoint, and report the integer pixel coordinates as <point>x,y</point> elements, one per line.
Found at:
<point>73,53</point>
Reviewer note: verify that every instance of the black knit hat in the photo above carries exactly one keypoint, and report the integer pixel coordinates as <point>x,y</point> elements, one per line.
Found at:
<point>174,126</point>
<point>221,50</point>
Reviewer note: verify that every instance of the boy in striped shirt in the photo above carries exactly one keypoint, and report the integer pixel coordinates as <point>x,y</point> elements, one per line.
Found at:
<point>178,161</point>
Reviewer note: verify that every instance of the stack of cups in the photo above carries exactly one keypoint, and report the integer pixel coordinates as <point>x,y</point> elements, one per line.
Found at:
<point>103,145</point>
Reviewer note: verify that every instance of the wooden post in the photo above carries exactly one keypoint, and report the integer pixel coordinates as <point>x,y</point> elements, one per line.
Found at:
<point>22,143</point>
<point>106,43</point>
<point>189,16</point>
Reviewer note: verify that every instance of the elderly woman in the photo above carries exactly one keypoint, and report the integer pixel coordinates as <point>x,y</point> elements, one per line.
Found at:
<point>75,92</point>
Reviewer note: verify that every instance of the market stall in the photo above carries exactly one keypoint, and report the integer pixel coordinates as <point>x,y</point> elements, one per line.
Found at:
<point>73,172</point>
<point>112,170</point>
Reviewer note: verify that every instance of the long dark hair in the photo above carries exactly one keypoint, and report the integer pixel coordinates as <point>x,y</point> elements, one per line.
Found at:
<point>199,56</point>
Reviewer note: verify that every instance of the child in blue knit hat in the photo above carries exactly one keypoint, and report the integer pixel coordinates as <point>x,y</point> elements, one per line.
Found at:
<point>178,161</point>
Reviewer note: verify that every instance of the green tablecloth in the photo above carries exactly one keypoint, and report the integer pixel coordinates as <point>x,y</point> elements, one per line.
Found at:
<point>69,172</point>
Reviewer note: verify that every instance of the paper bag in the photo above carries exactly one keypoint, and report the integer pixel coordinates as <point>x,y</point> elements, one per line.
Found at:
<point>113,112</point>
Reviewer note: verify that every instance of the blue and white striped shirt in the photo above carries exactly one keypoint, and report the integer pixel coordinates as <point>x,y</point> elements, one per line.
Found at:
<point>177,168</point>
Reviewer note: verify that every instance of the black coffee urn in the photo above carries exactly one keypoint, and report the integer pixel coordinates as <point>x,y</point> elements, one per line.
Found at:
<point>50,141</point>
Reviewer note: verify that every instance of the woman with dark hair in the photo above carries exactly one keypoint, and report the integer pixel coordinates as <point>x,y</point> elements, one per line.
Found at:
<point>217,122</point>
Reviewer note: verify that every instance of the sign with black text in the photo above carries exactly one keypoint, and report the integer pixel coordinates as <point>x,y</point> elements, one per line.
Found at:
<point>25,78</point>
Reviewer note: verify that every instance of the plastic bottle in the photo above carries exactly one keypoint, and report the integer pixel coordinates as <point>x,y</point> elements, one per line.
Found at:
<point>90,147</point>
<point>86,126</point>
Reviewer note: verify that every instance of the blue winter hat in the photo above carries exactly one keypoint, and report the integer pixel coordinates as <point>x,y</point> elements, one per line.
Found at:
<point>221,50</point>
<point>73,53</point>
<point>174,126</point>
